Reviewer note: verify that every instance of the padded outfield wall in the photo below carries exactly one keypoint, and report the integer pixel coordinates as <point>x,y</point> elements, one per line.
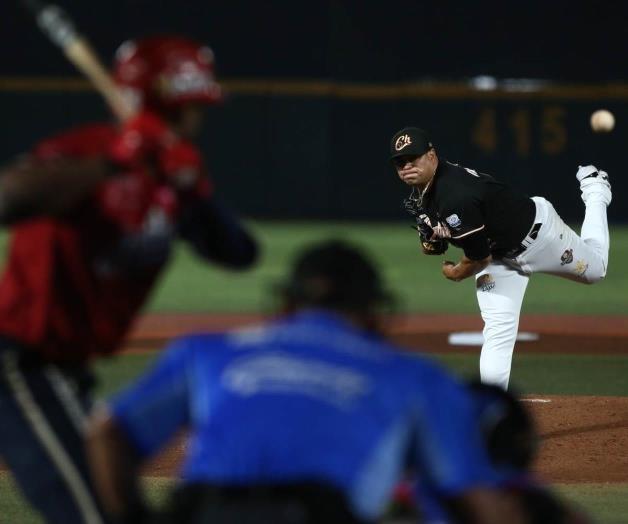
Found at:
<point>317,88</point>
<point>319,149</point>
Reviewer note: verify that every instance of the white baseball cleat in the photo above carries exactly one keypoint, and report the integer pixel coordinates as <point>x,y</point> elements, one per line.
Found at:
<point>594,184</point>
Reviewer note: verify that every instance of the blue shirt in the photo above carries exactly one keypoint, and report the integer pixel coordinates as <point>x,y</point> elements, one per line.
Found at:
<point>309,397</point>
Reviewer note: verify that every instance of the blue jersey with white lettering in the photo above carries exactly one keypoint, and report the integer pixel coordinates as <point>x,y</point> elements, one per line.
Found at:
<point>308,398</point>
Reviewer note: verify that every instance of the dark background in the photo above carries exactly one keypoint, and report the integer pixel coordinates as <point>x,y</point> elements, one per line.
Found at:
<point>305,152</point>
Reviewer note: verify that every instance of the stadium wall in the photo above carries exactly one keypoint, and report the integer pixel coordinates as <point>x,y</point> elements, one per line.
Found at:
<point>320,149</point>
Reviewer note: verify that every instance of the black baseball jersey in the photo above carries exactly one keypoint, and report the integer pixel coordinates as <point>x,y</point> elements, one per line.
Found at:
<point>475,212</point>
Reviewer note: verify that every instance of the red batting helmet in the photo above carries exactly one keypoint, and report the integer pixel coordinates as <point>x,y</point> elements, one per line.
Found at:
<point>165,72</point>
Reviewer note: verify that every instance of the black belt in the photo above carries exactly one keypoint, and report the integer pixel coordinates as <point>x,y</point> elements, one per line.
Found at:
<point>299,503</point>
<point>525,243</point>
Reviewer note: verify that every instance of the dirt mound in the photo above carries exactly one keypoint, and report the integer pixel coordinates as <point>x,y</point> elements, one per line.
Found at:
<point>584,439</point>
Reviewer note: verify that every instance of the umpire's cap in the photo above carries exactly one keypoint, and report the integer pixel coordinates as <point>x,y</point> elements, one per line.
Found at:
<point>410,141</point>
<point>334,274</point>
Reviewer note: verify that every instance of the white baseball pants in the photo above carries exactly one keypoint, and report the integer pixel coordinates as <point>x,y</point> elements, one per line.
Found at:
<point>557,250</point>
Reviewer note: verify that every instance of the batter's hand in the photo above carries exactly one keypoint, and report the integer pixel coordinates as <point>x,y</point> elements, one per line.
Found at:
<point>182,166</point>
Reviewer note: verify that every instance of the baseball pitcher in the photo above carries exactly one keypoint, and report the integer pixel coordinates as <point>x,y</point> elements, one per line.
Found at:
<point>505,237</point>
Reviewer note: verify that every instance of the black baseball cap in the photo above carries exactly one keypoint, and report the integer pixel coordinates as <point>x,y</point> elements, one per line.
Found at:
<point>410,141</point>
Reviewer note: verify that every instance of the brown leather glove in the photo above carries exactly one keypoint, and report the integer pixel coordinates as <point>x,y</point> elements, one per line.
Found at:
<point>434,247</point>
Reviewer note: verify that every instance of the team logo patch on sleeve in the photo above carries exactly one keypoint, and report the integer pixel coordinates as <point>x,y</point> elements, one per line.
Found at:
<point>453,221</point>
<point>566,257</point>
<point>485,283</point>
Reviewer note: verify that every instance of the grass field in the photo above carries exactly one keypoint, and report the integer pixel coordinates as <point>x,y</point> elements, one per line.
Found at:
<point>188,285</point>
<point>415,279</point>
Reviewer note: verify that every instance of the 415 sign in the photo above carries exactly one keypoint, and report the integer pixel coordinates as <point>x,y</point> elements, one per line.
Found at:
<point>522,129</point>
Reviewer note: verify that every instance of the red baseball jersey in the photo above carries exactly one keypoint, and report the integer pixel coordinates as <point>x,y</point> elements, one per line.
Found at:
<point>65,293</point>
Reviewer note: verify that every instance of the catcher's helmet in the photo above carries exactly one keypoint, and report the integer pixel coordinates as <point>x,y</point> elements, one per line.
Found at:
<point>164,72</point>
<point>337,275</point>
<point>334,274</point>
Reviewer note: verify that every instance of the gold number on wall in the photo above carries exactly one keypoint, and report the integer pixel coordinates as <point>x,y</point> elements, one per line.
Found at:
<point>553,131</point>
<point>520,124</point>
<point>484,132</point>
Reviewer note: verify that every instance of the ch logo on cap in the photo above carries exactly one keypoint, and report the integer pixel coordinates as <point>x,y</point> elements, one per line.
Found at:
<point>402,141</point>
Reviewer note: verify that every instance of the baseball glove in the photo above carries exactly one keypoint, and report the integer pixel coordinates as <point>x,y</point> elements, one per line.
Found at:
<point>434,247</point>
<point>429,245</point>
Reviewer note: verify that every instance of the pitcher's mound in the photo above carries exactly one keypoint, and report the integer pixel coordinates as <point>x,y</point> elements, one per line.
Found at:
<point>584,439</point>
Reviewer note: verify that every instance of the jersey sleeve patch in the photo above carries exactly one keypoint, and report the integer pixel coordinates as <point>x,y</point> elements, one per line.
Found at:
<point>463,215</point>
<point>453,221</point>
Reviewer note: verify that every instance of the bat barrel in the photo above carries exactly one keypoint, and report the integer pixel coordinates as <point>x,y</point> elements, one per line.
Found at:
<point>56,24</point>
<point>60,29</point>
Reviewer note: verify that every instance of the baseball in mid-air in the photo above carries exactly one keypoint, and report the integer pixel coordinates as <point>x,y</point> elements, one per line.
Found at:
<point>602,121</point>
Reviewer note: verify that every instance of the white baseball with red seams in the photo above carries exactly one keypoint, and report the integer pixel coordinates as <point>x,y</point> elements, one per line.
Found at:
<point>556,250</point>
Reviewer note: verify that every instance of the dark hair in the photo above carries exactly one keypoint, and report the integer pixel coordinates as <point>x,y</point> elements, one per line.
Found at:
<point>336,275</point>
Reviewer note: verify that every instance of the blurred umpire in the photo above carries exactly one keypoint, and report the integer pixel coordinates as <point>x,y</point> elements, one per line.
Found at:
<point>311,418</point>
<point>94,211</point>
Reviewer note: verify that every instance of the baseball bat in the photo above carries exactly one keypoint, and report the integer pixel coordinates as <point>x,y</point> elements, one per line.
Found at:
<point>59,28</point>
